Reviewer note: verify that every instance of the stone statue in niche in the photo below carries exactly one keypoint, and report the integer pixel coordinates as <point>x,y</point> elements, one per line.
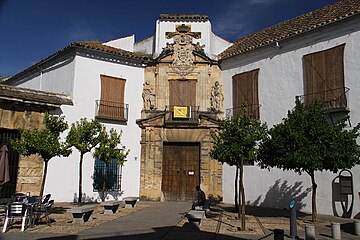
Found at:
<point>217,97</point>
<point>148,96</point>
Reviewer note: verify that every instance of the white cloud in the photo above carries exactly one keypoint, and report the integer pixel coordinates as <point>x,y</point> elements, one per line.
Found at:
<point>236,18</point>
<point>79,29</point>
<point>232,20</point>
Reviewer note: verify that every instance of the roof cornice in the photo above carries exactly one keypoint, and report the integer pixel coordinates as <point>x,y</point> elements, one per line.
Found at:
<point>184,17</point>
<point>306,23</point>
<point>34,97</point>
<point>94,47</point>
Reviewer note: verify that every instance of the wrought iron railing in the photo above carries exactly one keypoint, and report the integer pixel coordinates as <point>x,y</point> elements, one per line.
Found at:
<point>191,118</point>
<point>332,100</point>
<point>111,110</point>
<point>251,110</point>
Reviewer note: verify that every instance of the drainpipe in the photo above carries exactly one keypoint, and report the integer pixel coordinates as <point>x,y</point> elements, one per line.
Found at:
<point>41,76</point>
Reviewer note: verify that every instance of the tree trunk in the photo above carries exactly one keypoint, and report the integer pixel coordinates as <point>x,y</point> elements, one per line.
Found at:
<point>104,184</point>
<point>80,178</point>
<point>313,206</point>
<point>44,178</point>
<point>236,189</point>
<point>242,196</point>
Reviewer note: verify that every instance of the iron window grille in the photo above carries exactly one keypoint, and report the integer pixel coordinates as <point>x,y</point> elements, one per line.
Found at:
<point>114,174</point>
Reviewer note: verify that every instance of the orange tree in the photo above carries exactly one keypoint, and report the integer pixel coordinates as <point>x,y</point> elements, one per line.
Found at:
<point>306,142</point>
<point>237,141</point>
<point>44,142</point>
<point>84,135</point>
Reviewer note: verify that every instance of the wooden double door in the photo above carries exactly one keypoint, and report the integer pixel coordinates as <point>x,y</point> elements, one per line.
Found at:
<point>180,171</point>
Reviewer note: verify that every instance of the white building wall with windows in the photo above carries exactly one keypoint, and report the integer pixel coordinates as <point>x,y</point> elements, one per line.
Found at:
<point>80,78</point>
<point>87,89</point>
<point>280,81</point>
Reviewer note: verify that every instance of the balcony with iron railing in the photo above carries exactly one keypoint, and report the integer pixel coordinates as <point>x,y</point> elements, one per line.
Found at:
<point>111,110</point>
<point>252,110</point>
<point>190,116</point>
<point>333,100</point>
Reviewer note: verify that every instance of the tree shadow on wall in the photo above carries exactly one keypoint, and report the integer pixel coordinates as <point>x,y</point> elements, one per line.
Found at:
<point>278,198</point>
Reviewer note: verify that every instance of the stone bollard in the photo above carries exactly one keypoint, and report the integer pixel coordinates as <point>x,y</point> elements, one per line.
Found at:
<point>357,227</point>
<point>335,230</point>
<point>278,234</point>
<point>309,232</point>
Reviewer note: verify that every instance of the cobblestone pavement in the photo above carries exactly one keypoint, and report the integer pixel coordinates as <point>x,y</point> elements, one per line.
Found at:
<point>166,220</point>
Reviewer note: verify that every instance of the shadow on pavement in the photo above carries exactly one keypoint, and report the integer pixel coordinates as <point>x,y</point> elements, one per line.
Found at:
<point>67,237</point>
<point>265,211</point>
<point>348,228</point>
<point>165,233</point>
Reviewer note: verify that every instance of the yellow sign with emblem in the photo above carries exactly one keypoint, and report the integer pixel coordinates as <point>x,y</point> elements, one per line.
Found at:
<point>181,112</point>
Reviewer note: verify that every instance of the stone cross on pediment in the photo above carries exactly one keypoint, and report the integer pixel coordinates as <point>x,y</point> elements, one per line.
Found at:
<point>183,30</point>
<point>183,57</point>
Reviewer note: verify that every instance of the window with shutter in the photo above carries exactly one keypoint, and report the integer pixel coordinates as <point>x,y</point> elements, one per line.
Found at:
<point>324,77</point>
<point>111,105</point>
<point>182,92</point>
<point>245,90</point>
<point>182,101</point>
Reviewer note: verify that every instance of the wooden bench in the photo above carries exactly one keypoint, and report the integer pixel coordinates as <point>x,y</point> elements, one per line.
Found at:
<point>111,206</point>
<point>195,216</point>
<point>130,202</point>
<point>82,214</point>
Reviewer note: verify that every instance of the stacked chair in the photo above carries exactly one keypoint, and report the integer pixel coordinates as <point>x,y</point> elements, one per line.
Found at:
<point>27,210</point>
<point>16,211</point>
<point>43,209</point>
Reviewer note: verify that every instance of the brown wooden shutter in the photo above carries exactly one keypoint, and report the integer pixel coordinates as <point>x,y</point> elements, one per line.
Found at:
<point>112,97</point>
<point>182,93</point>
<point>324,75</point>
<point>245,89</point>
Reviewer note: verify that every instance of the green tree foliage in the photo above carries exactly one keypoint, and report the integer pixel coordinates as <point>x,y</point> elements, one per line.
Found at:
<point>109,149</point>
<point>306,142</point>
<point>237,141</point>
<point>44,142</point>
<point>84,135</point>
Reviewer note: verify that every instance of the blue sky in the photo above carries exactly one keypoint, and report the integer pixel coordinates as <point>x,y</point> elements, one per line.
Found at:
<point>30,30</point>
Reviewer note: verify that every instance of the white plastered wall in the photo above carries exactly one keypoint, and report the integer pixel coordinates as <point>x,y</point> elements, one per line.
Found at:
<point>62,179</point>
<point>280,80</point>
<point>56,78</point>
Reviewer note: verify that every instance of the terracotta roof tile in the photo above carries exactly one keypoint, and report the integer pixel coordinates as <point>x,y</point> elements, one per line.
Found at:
<point>98,46</point>
<point>304,23</point>
<point>184,17</point>
<point>33,96</point>
<point>108,49</point>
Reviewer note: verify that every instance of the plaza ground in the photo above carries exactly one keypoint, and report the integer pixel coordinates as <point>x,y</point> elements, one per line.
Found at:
<point>166,220</point>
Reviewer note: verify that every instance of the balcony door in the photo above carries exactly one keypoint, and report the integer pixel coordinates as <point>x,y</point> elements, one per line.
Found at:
<point>182,93</point>
<point>112,97</point>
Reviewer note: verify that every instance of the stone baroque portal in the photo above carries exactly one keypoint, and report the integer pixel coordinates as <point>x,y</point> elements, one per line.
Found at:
<point>175,147</point>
